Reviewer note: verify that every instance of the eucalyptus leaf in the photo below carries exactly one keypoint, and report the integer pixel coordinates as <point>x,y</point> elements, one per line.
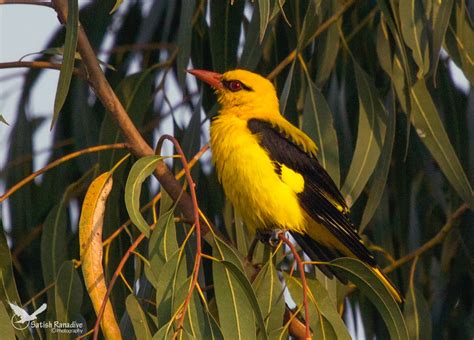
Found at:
<point>366,280</point>
<point>264,10</point>
<point>318,124</point>
<point>139,318</point>
<point>68,296</point>
<point>269,292</point>
<point>430,129</point>
<point>142,169</point>
<point>414,30</point>
<point>236,314</point>
<point>224,33</point>
<point>415,310</point>
<point>3,120</point>
<point>370,136</point>
<point>380,175</point>
<point>184,39</point>
<point>6,329</point>
<point>67,66</point>
<point>440,25</point>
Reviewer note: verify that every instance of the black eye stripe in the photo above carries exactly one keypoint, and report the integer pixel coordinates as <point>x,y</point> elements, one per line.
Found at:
<point>227,85</point>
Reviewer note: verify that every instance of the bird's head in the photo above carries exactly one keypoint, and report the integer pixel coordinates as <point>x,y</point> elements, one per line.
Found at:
<point>241,89</point>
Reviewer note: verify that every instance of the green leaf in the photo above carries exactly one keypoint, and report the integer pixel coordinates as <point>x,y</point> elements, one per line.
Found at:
<point>184,40</point>
<point>249,293</point>
<point>215,331</point>
<point>310,24</point>
<point>252,50</point>
<point>67,66</point>
<point>2,120</point>
<point>165,332</point>
<point>172,274</point>
<point>459,40</point>
<point>394,26</point>
<point>142,168</point>
<point>414,31</point>
<point>384,52</point>
<point>191,141</point>
<point>8,289</point>
<point>269,292</point>
<point>116,6</point>
<point>318,124</point>
<point>6,329</point>
<point>68,295</point>
<point>264,10</point>
<point>369,284</point>
<point>440,25</point>
<point>416,311</point>
<point>370,136</point>
<point>138,318</point>
<point>324,318</point>
<point>236,315</point>
<point>430,129</point>
<point>285,93</point>
<point>328,45</point>
<point>379,178</point>
<point>163,243</point>
<point>53,242</point>
<point>195,323</point>
<point>224,33</point>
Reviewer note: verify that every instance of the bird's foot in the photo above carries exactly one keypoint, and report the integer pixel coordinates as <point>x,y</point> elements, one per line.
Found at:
<point>269,236</point>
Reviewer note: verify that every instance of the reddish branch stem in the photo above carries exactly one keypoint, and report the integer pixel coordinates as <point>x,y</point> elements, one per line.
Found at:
<point>192,188</point>
<point>303,281</point>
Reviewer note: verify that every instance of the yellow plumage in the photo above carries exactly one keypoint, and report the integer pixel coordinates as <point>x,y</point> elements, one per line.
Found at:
<point>269,171</point>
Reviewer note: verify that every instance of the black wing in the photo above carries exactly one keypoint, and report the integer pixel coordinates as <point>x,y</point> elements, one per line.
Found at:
<point>320,196</point>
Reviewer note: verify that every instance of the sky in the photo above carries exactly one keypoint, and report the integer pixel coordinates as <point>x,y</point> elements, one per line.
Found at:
<point>17,40</point>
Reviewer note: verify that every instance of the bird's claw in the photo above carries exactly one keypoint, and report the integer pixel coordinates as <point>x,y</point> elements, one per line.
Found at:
<point>269,236</point>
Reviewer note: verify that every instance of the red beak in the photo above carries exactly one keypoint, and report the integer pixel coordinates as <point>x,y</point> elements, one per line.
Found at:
<point>212,78</point>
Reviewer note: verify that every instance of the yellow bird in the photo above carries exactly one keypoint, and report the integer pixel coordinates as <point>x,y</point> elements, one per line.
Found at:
<point>269,171</point>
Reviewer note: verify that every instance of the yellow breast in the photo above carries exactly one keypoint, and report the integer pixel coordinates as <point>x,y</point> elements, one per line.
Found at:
<point>263,198</point>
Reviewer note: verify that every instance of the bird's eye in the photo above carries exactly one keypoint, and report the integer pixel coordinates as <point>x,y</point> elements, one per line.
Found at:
<point>234,85</point>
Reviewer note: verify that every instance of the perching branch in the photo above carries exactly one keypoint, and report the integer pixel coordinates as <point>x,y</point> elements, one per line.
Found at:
<point>137,144</point>
<point>298,260</point>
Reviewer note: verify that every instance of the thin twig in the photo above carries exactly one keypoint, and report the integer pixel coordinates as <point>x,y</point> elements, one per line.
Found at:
<point>303,281</point>
<point>197,259</point>
<point>324,26</point>
<point>57,162</point>
<point>438,238</point>
<point>37,65</point>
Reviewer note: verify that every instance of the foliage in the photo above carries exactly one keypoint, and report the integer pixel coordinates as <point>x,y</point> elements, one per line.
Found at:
<point>369,81</point>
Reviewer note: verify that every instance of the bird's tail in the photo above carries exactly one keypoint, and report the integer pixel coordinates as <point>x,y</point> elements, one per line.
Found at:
<point>318,252</point>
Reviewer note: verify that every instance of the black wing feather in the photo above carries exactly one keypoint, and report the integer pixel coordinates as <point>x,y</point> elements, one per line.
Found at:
<point>319,188</point>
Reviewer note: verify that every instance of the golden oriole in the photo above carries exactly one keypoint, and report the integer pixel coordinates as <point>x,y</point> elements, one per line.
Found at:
<point>269,171</point>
